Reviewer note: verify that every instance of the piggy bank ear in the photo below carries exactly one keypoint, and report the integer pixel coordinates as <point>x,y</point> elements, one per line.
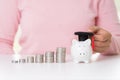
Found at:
<point>74,41</point>
<point>88,42</point>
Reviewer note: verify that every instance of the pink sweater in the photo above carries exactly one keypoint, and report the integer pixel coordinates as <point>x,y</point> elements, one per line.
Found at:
<point>47,24</point>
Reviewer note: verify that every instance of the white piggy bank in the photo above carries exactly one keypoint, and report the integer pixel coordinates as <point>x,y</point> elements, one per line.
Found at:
<point>81,51</point>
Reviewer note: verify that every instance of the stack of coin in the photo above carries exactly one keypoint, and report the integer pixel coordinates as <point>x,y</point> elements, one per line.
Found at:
<point>49,57</point>
<point>39,58</point>
<point>60,55</point>
<point>22,60</point>
<point>15,61</point>
<point>30,59</point>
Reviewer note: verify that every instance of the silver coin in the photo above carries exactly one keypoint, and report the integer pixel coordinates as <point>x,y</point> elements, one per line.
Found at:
<point>39,58</point>
<point>60,55</point>
<point>23,60</point>
<point>20,60</point>
<point>49,57</point>
<point>30,59</point>
<point>15,61</point>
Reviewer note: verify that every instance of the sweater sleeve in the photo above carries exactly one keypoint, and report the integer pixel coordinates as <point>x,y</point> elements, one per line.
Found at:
<point>108,20</point>
<point>9,20</point>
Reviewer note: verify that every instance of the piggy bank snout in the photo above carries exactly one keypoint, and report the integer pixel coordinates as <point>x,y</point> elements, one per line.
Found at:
<point>82,54</point>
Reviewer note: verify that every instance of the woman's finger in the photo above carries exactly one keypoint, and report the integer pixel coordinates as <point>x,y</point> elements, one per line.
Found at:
<point>102,43</point>
<point>101,38</point>
<point>100,49</point>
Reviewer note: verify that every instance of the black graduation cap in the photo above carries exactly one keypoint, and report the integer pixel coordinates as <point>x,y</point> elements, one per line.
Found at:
<point>82,36</point>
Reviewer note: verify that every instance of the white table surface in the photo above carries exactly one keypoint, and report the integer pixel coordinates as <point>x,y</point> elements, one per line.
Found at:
<point>101,68</point>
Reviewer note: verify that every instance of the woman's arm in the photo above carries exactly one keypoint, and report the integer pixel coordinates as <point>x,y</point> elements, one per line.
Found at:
<point>9,20</point>
<point>108,20</point>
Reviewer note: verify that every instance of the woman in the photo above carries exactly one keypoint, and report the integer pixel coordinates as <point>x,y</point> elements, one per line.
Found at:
<point>47,24</point>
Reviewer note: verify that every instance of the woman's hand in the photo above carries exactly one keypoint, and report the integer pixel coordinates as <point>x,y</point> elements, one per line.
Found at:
<point>102,39</point>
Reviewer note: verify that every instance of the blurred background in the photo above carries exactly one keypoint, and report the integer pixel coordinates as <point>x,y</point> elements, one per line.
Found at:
<point>117,2</point>
<point>17,47</point>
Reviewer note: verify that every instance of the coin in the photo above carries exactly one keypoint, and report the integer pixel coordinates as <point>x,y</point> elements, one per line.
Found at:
<point>39,58</point>
<point>30,59</point>
<point>60,55</point>
<point>49,57</point>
